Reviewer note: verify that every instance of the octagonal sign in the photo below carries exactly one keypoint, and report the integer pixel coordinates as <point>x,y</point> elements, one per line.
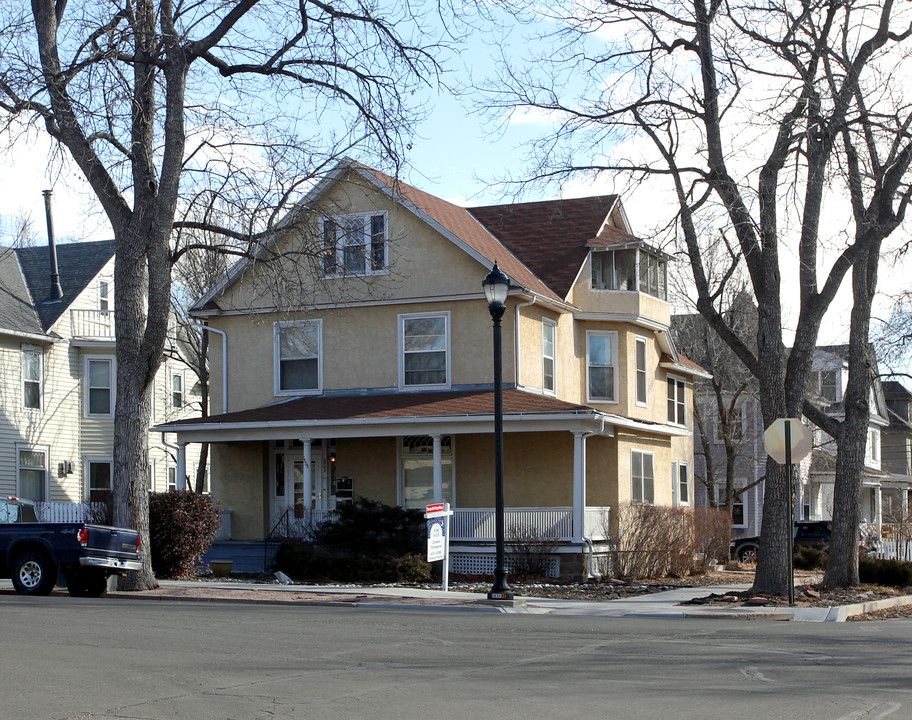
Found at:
<point>800,435</point>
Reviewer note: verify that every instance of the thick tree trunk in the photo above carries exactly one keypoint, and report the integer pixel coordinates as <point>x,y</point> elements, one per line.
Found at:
<point>842,565</point>
<point>141,327</point>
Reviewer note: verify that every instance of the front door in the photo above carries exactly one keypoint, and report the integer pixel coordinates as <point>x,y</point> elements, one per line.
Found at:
<point>288,476</point>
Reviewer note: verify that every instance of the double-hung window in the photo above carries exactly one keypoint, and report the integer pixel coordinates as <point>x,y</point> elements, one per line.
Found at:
<point>100,472</point>
<point>177,390</point>
<point>677,404</point>
<point>298,350</point>
<point>32,475</point>
<point>417,470</point>
<point>641,375</point>
<point>424,342</point>
<point>99,387</point>
<point>355,245</point>
<point>642,477</point>
<point>549,330</point>
<point>31,377</point>
<point>829,385</point>
<point>601,354</point>
<point>104,295</point>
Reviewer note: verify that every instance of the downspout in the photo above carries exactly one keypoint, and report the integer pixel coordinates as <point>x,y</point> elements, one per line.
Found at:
<point>209,328</point>
<point>516,352</point>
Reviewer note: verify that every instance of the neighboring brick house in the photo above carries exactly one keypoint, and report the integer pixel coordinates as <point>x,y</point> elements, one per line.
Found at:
<point>58,378</point>
<point>378,384</point>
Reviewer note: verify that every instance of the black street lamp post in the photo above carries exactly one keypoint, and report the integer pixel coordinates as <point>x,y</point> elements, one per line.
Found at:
<point>496,285</point>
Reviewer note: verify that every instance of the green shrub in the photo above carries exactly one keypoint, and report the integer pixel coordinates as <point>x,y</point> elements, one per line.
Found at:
<point>182,526</point>
<point>809,557</point>
<point>305,561</point>
<point>367,527</point>
<point>877,571</point>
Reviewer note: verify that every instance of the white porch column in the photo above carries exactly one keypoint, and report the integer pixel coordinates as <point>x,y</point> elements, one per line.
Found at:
<point>579,484</point>
<point>878,509</point>
<point>438,470</point>
<point>306,477</point>
<point>181,472</point>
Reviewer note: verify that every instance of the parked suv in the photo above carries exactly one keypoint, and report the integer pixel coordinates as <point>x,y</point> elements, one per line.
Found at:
<point>807,532</point>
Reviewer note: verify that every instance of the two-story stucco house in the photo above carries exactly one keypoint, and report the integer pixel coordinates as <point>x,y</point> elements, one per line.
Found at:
<point>372,375</point>
<point>58,373</point>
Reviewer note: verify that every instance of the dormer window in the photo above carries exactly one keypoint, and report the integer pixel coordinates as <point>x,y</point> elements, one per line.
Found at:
<point>355,245</point>
<point>630,269</point>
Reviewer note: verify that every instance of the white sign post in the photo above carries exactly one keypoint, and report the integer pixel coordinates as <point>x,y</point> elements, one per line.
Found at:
<point>438,537</point>
<point>787,441</point>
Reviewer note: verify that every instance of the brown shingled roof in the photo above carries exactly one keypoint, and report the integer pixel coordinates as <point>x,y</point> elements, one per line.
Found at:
<point>394,405</point>
<point>552,236</point>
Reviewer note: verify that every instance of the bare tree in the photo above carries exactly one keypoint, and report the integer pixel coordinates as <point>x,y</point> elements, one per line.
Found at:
<point>783,125</point>
<point>164,105</point>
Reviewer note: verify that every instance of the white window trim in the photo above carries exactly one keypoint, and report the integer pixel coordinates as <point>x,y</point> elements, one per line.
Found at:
<point>46,451</point>
<point>276,359</point>
<point>644,453</point>
<point>553,325</point>
<point>171,466</point>
<point>107,296</point>
<point>676,474</point>
<point>614,364</point>
<point>89,460</point>
<point>339,221</point>
<point>683,381</point>
<point>637,341</point>
<point>449,355</point>
<point>40,351</point>
<point>183,384</point>
<point>743,503</point>
<point>113,362</point>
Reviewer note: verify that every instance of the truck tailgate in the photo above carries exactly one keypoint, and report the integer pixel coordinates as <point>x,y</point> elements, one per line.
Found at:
<point>116,542</point>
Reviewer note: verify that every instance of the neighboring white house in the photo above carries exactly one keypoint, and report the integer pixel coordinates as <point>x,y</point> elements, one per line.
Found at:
<point>816,474</point>
<point>58,378</point>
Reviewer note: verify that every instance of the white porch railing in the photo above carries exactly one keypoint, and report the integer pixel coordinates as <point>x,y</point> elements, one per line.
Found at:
<point>285,524</point>
<point>477,524</point>
<point>69,512</point>
<point>95,324</point>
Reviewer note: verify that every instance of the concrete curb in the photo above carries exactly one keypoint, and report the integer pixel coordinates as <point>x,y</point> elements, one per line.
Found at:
<point>739,614</point>
<point>842,612</point>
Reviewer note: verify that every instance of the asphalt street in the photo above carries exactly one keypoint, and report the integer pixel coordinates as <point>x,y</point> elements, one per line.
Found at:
<point>99,659</point>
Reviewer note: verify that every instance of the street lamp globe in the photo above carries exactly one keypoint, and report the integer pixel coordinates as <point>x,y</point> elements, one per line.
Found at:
<point>496,285</point>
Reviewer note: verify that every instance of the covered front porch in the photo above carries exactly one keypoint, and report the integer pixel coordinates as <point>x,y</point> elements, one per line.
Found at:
<point>278,470</point>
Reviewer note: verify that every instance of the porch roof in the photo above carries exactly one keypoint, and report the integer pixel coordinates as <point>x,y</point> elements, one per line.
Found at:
<point>403,413</point>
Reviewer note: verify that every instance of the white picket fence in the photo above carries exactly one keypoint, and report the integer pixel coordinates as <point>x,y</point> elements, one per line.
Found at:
<point>69,512</point>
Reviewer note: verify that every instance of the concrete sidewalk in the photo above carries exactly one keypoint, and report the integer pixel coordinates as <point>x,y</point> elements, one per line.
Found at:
<point>664,604</point>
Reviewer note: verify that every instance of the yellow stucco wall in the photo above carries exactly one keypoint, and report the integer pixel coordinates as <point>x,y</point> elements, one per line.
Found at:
<point>360,349</point>
<point>372,464</point>
<point>237,480</point>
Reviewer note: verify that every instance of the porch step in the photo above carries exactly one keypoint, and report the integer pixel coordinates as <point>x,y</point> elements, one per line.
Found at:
<point>245,556</point>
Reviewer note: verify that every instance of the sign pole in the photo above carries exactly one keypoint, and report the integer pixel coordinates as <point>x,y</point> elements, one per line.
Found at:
<point>791,512</point>
<point>446,548</point>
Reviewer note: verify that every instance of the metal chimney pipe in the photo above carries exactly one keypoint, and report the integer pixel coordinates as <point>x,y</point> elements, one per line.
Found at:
<point>56,290</point>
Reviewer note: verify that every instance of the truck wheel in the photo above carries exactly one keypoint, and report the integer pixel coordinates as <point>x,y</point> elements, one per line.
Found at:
<point>92,585</point>
<point>748,555</point>
<point>34,574</point>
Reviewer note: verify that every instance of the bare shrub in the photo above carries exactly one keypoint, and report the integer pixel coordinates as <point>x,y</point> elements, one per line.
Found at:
<point>531,551</point>
<point>712,535</point>
<point>658,541</point>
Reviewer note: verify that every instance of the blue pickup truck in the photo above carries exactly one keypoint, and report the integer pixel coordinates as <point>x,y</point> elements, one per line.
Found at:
<point>38,555</point>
